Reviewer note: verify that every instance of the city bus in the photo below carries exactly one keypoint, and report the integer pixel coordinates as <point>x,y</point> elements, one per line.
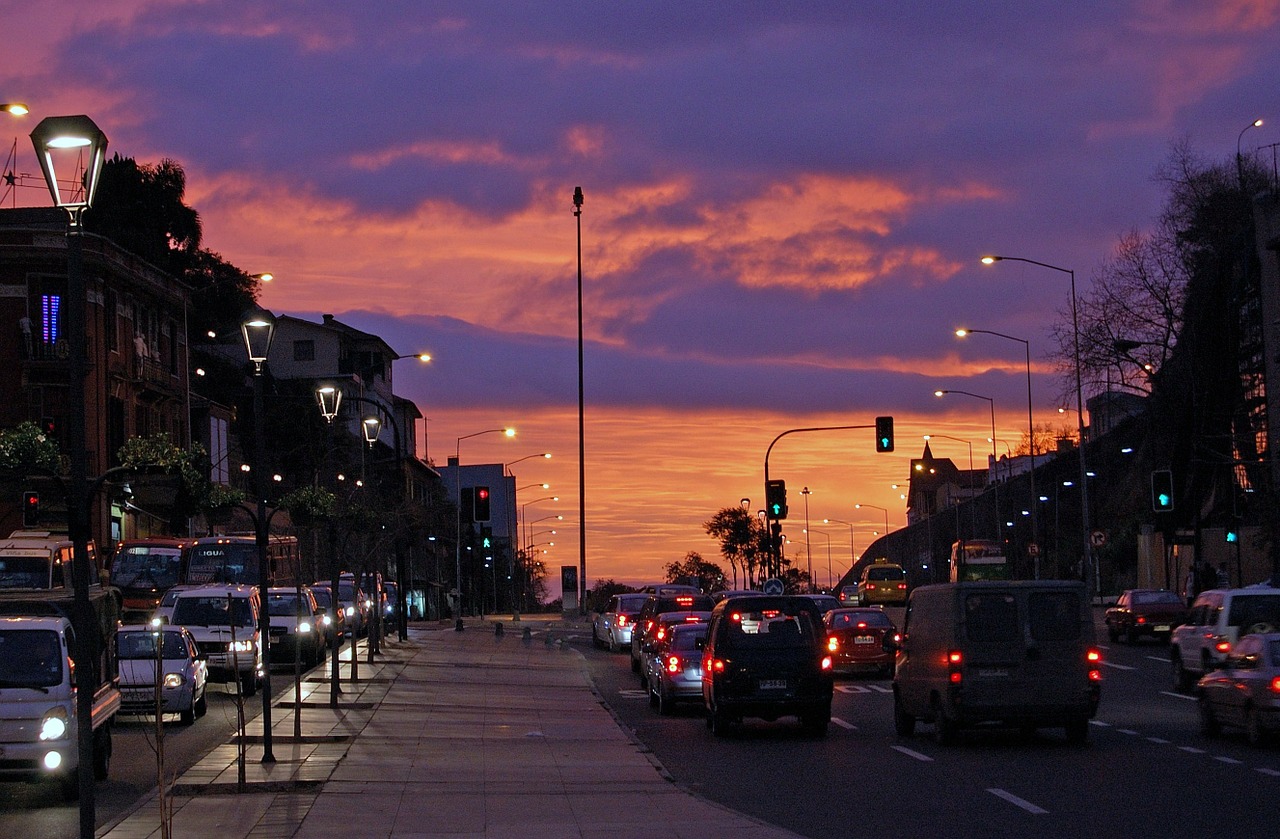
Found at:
<point>978,559</point>
<point>143,570</point>
<point>233,560</point>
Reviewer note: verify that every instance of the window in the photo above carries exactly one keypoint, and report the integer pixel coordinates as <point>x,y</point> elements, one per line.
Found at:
<point>1054,615</point>
<point>992,617</point>
<point>304,350</point>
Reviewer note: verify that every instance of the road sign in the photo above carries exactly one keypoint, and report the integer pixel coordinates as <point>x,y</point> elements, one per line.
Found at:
<point>773,586</point>
<point>1033,549</point>
<point>1098,538</point>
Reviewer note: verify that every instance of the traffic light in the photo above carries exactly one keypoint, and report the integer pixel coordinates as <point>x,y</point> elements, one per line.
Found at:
<point>1162,491</point>
<point>884,434</point>
<point>775,499</point>
<point>30,509</point>
<point>481,501</point>
<point>486,545</point>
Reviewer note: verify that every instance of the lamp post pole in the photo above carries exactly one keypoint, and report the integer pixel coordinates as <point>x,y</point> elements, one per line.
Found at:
<point>1086,556</point>
<point>852,557</point>
<point>80,134</point>
<point>995,483</point>
<point>1240,155</point>
<point>1031,429</point>
<point>582,446</point>
<point>828,537</point>
<point>807,552</point>
<point>973,508</point>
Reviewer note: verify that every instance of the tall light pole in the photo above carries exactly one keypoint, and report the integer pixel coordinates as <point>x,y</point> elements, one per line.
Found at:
<point>457,547</point>
<point>258,331</point>
<point>808,554</point>
<point>973,508</point>
<point>995,484</point>
<point>1086,556</point>
<point>57,138</point>
<point>1033,548</point>
<point>828,537</point>
<point>1257,123</point>
<point>852,557</point>
<point>582,437</point>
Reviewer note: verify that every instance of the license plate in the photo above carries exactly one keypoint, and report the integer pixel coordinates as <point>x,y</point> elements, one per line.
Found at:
<point>773,684</point>
<point>864,639</point>
<point>993,672</point>
<point>1164,627</point>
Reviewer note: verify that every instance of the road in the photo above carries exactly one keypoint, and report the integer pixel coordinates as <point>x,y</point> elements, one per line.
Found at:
<point>1147,771</point>
<point>37,811</point>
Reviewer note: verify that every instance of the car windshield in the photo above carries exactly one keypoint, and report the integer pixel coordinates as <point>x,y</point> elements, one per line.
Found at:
<point>30,658</point>
<point>24,572</point>
<point>322,597</point>
<point>631,604</point>
<point>146,567</point>
<point>1155,598</point>
<point>212,611</point>
<point>684,641</point>
<point>857,620</point>
<point>285,604</point>
<point>886,574</point>
<point>771,628</point>
<point>142,644</point>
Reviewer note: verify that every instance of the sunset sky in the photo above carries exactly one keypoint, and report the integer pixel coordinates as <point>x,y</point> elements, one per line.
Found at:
<point>784,208</point>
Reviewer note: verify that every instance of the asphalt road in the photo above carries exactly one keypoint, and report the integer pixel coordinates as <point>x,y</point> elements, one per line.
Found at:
<point>1146,771</point>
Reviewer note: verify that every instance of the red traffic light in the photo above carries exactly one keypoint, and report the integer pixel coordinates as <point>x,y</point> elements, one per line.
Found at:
<point>30,509</point>
<point>480,502</point>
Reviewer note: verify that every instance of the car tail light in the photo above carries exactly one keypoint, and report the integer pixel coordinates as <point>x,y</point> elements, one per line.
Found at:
<point>862,625</point>
<point>622,620</point>
<point>1142,619</point>
<point>871,586</point>
<point>770,613</point>
<point>735,617</point>
<point>692,619</point>
<point>1222,645</point>
<point>685,601</point>
<point>648,625</point>
<point>955,661</point>
<point>1275,685</point>
<point>661,633</point>
<point>673,664</point>
<point>902,586</point>
<point>833,643</point>
<point>826,662</point>
<point>713,665</point>
<point>1094,659</point>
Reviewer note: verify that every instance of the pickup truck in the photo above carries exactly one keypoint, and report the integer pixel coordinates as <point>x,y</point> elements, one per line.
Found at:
<point>39,719</point>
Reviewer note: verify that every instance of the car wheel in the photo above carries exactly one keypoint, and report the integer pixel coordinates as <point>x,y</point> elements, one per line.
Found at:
<point>1209,725</point>
<point>635,665</point>
<point>1253,730</point>
<point>719,722</point>
<point>102,752</point>
<point>202,704</point>
<point>817,724</point>
<point>903,723</point>
<point>595,638</point>
<point>944,728</point>
<point>69,786</point>
<point>1077,729</point>
<point>187,716</point>
<point>1133,636</point>
<point>1182,679</point>
<point>613,644</point>
<point>666,703</point>
<point>248,684</point>
<point>1112,632</point>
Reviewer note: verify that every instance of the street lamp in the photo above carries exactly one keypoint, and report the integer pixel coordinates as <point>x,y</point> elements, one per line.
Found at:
<point>805,493</point>
<point>852,556</point>
<point>522,459</point>
<point>973,508</point>
<point>828,537</point>
<point>881,509</point>
<point>1257,123</point>
<point>1031,433</point>
<point>56,138</point>
<point>457,465</point>
<point>994,457</point>
<point>1086,557</point>
<point>16,108</point>
<point>582,445</point>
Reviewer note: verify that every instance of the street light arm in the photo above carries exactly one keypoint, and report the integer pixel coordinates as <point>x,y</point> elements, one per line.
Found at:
<point>987,260</point>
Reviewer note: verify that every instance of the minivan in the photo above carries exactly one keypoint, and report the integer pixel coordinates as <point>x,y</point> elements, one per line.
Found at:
<point>1019,653</point>
<point>224,620</point>
<point>1217,620</point>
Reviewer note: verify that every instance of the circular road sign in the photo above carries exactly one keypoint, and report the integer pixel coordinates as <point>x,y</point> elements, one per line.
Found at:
<point>773,586</point>
<point>1098,538</point>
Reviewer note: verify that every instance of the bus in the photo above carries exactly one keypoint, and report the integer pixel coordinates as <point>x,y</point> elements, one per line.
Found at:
<point>978,559</point>
<point>143,570</point>
<point>233,560</point>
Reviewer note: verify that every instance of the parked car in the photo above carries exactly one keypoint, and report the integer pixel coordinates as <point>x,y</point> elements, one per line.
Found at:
<point>612,627</point>
<point>1245,691</point>
<point>298,625</point>
<point>337,624</point>
<point>674,667</point>
<point>766,657</point>
<point>354,604</point>
<point>657,604</point>
<point>224,621</point>
<point>860,639</point>
<point>1018,653</point>
<point>1217,619</point>
<point>184,675</point>
<point>1141,611</point>
<point>881,583</point>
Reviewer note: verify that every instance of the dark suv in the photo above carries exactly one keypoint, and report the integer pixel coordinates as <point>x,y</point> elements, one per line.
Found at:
<point>659,604</point>
<point>766,657</point>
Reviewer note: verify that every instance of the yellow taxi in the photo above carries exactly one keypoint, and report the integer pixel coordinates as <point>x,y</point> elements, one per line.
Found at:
<point>882,582</point>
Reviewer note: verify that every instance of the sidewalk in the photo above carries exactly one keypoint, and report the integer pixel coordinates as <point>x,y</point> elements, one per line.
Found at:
<point>448,734</point>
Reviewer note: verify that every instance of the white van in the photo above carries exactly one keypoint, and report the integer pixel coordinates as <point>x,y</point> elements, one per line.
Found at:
<point>1217,620</point>
<point>224,622</point>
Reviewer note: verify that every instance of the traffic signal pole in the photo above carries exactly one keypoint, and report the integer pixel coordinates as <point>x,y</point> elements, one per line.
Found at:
<point>775,554</point>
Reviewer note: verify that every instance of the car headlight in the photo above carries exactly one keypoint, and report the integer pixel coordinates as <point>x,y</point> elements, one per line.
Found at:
<point>240,646</point>
<point>349,611</point>
<point>304,628</point>
<point>327,620</point>
<point>174,680</point>
<point>54,724</point>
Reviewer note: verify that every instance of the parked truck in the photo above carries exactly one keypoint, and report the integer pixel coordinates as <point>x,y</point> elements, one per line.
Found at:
<point>39,718</point>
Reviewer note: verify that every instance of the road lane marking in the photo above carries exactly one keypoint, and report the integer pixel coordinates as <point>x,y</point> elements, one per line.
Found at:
<point>634,694</point>
<point>1018,802</point>
<point>881,689</point>
<point>852,689</point>
<point>847,726</point>
<point>1126,731</point>
<point>1159,740</point>
<point>1100,723</point>
<point>1191,750</point>
<point>1161,659</point>
<point>1115,666</point>
<point>910,753</point>
<point>1265,771</point>
<point>1177,695</point>
<point>1226,759</point>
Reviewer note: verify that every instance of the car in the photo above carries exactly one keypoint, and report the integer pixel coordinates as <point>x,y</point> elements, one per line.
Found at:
<point>883,583</point>
<point>766,657</point>
<point>849,595</point>
<point>657,604</point>
<point>825,602</point>
<point>224,621</point>
<point>674,667</point>
<point>662,626</point>
<point>1245,691</point>
<point>1015,653</point>
<point>336,625</point>
<point>717,596</point>
<point>184,672</point>
<point>297,625</point>
<point>1143,611</point>
<point>1217,619</point>
<point>355,605</point>
<point>164,611</point>
<point>860,639</point>
<point>612,627</point>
